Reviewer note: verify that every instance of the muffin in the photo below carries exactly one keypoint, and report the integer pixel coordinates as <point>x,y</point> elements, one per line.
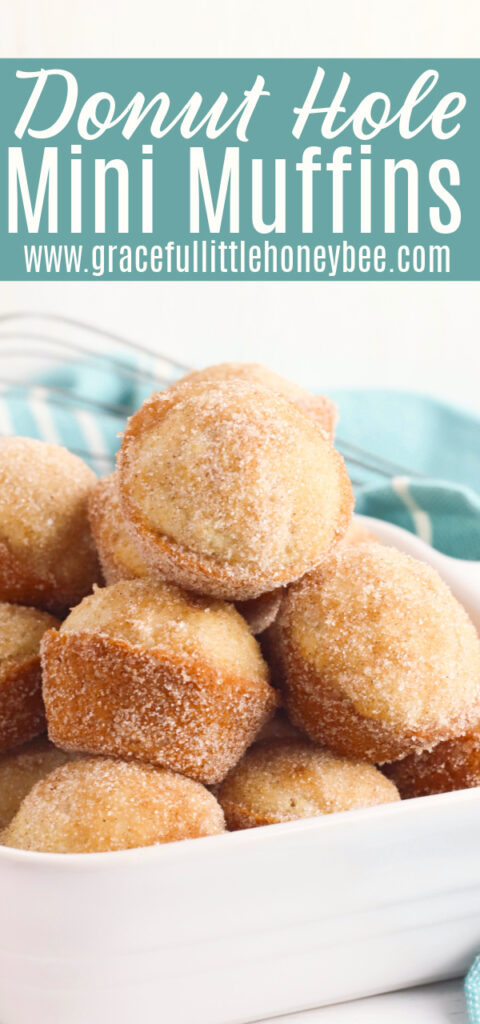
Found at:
<point>230,490</point>
<point>47,555</point>
<point>120,559</point>
<point>453,764</point>
<point>21,768</point>
<point>22,714</point>
<point>149,672</point>
<point>284,780</point>
<point>96,805</point>
<point>376,658</point>
<point>319,407</point>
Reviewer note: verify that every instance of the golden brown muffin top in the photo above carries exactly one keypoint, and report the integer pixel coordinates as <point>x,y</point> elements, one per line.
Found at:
<point>100,804</point>
<point>43,508</point>
<point>283,780</point>
<point>385,630</point>
<point>238,477</point>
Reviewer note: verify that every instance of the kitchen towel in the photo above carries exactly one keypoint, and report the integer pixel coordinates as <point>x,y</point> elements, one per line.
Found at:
<point>472,992</point>
<point>434,487</point>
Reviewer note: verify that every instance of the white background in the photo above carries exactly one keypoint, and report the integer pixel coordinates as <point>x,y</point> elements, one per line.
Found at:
<point>422,336</point>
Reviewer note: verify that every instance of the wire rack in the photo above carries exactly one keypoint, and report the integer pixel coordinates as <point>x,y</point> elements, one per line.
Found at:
<point>47,362</point>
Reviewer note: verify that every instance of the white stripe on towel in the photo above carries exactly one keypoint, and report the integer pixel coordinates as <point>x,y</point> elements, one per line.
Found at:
<point>6,425</point>
<point>42,413</point>
<point>421,519</point>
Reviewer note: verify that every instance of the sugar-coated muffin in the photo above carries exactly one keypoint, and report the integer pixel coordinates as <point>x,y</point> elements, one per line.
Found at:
<point>22,714</point>
<point>357,533</point>
<point>120,559</point>
<point>21,768</point>
<point>118,555</point>
<point>147,671</point>
<point>321,408</point>
<point>229,489</point>
<point>47,554</point>
<point>453,764</point>
<point>376,657</point>
<point>288,779</point>
<point>95,805</point>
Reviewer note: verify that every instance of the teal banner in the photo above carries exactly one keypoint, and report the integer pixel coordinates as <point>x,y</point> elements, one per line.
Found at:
<point>320,170</point>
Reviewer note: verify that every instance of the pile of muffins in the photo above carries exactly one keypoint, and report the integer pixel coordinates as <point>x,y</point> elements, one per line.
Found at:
<point>209,638</point>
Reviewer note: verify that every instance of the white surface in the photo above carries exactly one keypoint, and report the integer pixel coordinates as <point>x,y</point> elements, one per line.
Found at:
<point>421,337</point>
<point>222,28</point>
<point>432,1004</point>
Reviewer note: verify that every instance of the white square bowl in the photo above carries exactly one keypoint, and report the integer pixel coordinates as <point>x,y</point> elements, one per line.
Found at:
<point>245,926</point>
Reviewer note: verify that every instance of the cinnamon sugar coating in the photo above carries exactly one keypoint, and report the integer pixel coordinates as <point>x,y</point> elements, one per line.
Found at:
<point>321,408</point>
<point>453,764</point>
<point>118,555</point>
<point>95,805</point>
<point>284,780</point>
<point>229,489</point>
<point>22,714</point>
<point>120,559</point>
<point>357,533</point>
<point>21,768</point>
<point>150,672</point>
<point>47,554</point>
<point>376,657</point>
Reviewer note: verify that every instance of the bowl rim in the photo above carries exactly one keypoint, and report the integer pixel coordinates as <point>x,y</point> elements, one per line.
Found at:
<point>264,834</point>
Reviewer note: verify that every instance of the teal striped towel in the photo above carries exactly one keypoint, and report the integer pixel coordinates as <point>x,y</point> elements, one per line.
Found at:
<point>436,447</point>
<point>437,495</point>
<point>472,992</point>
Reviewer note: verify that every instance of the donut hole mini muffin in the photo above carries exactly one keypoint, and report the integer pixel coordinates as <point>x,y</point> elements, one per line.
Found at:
<point>150,672</point>
<point>118,555</point>
<point>96,805</point>
<point>229,489</point>
<point>286,779</point>
<point>319,407</point>
<point>376,657</point>
<point>453,764</point>
<point>120,559</point>
<point>47,554</point>
<point>22,714</point>
<point>357,533</point>
<point>21,768</point>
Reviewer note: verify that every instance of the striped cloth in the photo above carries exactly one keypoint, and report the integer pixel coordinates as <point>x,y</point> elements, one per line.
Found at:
<point>436,446</point>
<point>436,493</point>
<point>81,405</point>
